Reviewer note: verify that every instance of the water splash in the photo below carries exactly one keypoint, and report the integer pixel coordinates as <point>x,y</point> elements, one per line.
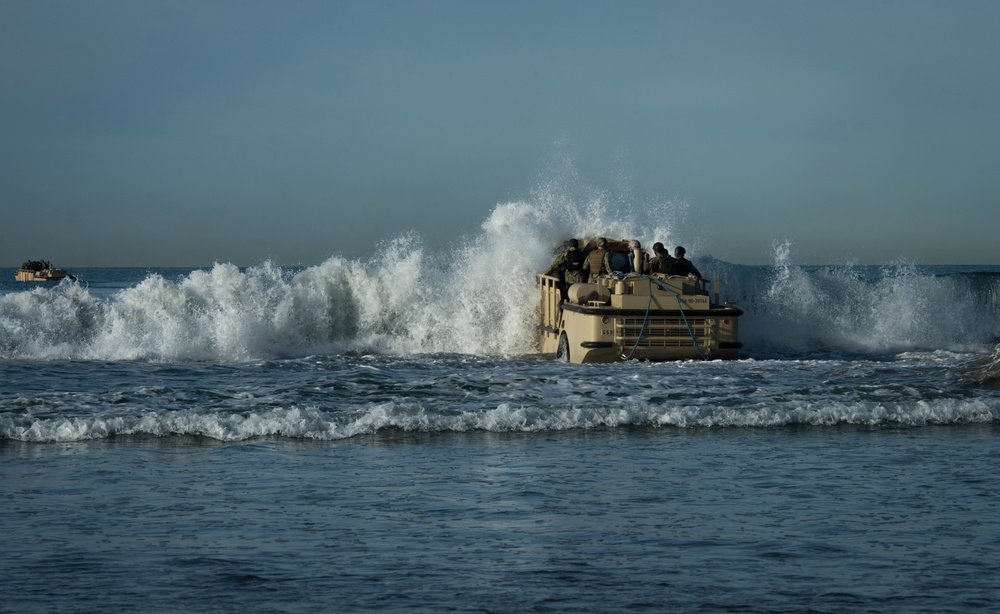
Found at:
<point>983,371</point>
<point>479,297</point>
<point>888,308</point>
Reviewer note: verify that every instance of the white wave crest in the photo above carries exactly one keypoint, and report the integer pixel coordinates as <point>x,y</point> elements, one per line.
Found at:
<point>315,424</point>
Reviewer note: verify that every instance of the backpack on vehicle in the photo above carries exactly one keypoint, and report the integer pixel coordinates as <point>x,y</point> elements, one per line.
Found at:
<point>574,260</point>
<point>620,262</point>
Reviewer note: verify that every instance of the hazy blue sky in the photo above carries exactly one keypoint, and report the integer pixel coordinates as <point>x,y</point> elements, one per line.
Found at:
<point>181,133</point>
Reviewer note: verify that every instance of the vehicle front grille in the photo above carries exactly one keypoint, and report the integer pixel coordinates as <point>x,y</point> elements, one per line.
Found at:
<point>663,332</point>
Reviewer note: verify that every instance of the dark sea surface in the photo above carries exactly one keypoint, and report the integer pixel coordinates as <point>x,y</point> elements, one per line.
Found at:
<point>372,436</point>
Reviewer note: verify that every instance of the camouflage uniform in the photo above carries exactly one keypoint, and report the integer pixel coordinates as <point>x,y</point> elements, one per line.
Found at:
<point>571,265</point>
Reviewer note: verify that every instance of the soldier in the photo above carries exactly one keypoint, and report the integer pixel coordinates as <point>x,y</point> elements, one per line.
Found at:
<point>568,266</point>
<point>594,264</point>
<point>641,265</point>
<point>662,262</point>
<point>683,266</point>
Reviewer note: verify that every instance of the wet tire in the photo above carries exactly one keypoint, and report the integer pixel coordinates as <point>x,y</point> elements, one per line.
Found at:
<point>563,352</point>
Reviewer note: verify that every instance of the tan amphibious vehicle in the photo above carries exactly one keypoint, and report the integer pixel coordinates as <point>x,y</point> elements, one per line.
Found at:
<point>640,316</point>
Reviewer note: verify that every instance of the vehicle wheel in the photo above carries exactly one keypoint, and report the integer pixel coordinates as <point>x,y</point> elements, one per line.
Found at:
<point>563,352</point>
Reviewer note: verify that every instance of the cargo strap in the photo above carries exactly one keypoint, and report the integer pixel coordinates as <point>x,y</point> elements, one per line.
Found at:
<point>679,307</point>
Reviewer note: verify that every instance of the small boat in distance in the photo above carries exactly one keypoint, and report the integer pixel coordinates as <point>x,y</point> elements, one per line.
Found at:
<point>624,316</point>
<point>40,270</point>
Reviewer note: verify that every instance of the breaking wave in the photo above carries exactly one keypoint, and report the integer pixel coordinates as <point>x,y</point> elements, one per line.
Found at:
<point>478,297</point>
<point>322,425</point>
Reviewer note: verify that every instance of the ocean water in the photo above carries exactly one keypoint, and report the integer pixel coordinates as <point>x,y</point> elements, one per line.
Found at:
<point>382,435</point>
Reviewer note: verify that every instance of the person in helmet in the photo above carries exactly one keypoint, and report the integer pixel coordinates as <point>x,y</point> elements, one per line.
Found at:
<point>621,263</point>
<point>683,266</point>
<point>594,264</point>
<point>661,262</point>
<point>642,264</point>
<point>568,267</point>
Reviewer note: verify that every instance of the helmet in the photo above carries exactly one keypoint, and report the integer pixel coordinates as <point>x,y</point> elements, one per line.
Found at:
<point>602,242</point>
<point>572,243</point>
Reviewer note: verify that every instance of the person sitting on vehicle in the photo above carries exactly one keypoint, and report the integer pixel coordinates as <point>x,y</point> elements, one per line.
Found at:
<point>683,266</point>
<point>662,262</point>
<point>594,263</point>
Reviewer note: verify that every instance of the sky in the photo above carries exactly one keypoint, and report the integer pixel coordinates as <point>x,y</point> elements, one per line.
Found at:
<point>182,133</point>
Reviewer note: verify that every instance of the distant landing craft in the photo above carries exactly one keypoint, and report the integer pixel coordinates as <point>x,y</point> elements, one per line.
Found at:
<point>40,270</point>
